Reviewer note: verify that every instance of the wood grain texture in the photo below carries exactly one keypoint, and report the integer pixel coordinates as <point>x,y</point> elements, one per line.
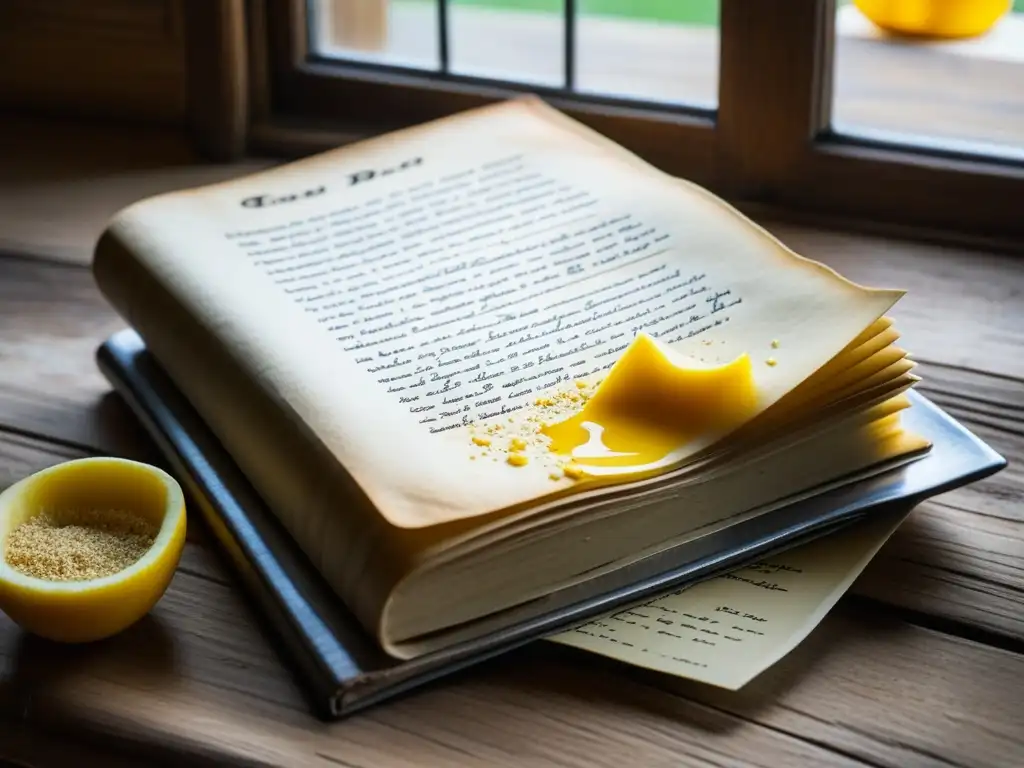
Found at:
<point>769,106</point>
<point>25,747</point>
<point>961,555</point>
<point>52,318</point>
<point>197,680</point>
<point>888,693</point>
<point>110,58</point>
<point>59,184</point>
<point>217,84</point>
<point>962,307</point>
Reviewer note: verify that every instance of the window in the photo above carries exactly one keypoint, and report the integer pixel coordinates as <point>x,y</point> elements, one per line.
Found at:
<point>803,104</point>
<point>655,51</point>
<point>651,50</point>
<point>105,58</point>
<point>960,92</point>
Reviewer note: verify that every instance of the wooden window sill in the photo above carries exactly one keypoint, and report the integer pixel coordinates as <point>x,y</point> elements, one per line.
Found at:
<point>959,90</point>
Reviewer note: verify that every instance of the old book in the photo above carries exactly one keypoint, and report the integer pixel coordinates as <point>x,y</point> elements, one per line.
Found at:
<point>342,668</point>
<point>487,367</point>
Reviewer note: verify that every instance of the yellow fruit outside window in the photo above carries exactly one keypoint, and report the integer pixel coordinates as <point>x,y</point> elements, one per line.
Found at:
<point>935,18</point>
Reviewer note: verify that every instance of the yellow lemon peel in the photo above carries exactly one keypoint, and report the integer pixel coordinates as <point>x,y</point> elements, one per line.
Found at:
<point>92,609</point>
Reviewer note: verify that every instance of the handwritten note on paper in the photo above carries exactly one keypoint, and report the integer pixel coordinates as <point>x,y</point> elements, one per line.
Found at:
<point>728,630</point>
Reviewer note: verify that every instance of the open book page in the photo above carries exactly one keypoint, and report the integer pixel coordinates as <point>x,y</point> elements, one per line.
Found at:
<point>388,294</point>
<point>728,630</point>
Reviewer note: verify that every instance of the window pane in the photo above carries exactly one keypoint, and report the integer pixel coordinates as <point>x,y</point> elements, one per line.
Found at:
<point>654,50</point>
<point>518,41</point>
<point>932,91</point>
<point>649,50</point>
<point>397,32</point>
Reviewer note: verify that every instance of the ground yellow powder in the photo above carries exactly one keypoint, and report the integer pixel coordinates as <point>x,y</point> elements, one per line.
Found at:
<point>78,545</point>
<point>573,471</point>
<point>518,439</point>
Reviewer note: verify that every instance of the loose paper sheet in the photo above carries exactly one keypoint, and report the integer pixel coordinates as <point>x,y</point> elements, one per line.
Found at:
<point>728,630</point>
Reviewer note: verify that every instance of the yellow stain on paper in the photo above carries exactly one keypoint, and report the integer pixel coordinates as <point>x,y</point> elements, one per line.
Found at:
<point>653,402</point>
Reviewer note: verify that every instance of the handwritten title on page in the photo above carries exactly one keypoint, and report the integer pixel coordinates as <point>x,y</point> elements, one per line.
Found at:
<point>728,630</point>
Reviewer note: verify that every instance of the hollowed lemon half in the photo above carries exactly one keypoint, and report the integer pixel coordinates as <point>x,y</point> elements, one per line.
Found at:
<point>83,611</point>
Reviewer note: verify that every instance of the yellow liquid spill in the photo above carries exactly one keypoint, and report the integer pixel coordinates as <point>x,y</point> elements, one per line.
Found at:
<point>652,403</point>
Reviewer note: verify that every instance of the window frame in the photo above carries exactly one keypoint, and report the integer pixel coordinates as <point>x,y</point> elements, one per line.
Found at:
<point>164,64</point>
<point>769,142</point>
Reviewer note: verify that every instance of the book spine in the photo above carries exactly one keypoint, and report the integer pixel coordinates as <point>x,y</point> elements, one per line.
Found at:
<point>297,482</point>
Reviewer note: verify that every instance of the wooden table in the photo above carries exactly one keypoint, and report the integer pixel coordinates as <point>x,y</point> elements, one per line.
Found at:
<point>923,664</point>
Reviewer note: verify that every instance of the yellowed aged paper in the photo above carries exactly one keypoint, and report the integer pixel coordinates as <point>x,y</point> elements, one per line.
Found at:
<point>387,294</point>
<point>728,630</point>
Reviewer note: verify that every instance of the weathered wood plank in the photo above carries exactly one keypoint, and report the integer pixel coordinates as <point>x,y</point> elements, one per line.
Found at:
<point>52,318</point>
<point>888,693</point>
<point>962,307</point>
<point>961,556</point>
<point>208,685</point>
<point>21,747</point>
<point>107,58</point>
<point>197,679</point>
<point>60,184</point>
<point>954,565</point>
<point>993,407</point>
<point>20,456</point>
